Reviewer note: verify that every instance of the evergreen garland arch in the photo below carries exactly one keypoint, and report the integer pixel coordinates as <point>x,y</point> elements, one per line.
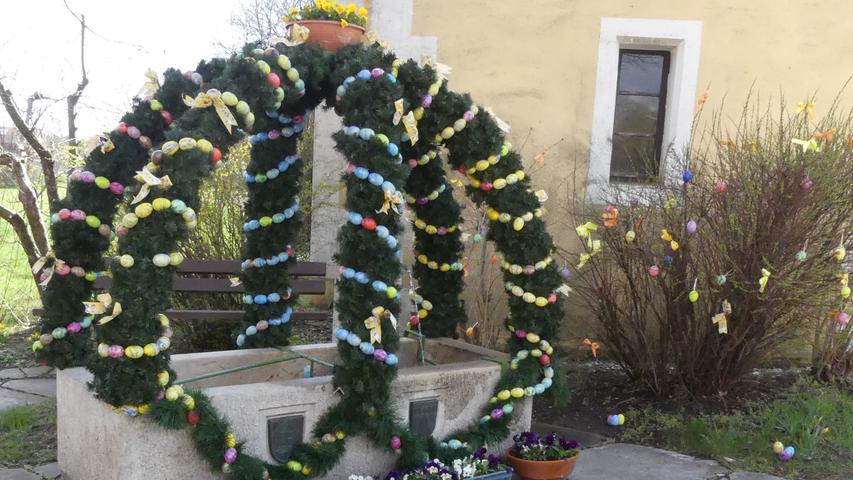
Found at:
<point>270,92</point>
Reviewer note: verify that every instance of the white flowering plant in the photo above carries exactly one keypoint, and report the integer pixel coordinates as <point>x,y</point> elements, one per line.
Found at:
<point>474,465</point>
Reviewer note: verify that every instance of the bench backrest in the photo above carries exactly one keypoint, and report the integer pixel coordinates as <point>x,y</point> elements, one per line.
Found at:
<point>308,277</point>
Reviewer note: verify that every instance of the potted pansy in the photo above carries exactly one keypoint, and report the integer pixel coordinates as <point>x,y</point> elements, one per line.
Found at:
<point>477,466</point>
<point>542,458</point>
<point>328,24</point>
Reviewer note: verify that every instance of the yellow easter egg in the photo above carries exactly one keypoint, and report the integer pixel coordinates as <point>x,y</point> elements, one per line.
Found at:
<point>493,214</point>
<point>175,259</point>
<point>532,337</point>
<point>499,183</point>
<point>503,395</point>
<point>160,204</point>
<point>693,296</point>
<point>143,210</point>
<point>541,301</point>
<point>150,350</point>
<point>163,378</point>
<point>630,235</point>
<point>517,224</point>
<point>517,392</point>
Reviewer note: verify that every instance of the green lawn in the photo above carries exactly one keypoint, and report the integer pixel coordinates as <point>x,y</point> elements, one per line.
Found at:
<point>816,422</point>
<point>18,294</point>
<point>28,435</point>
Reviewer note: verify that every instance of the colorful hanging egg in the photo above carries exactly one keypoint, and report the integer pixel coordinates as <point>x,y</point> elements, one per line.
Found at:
<point>630,235</point>
<point>693,296</point>
<point>654,270</point>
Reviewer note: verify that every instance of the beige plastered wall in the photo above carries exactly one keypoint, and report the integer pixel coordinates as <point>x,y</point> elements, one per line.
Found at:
<point>534,62</point>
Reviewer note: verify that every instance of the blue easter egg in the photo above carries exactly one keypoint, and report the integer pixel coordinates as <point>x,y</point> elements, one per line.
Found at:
<point>454,444</point>
<point>366,348</point>
<point>366,133</point>
<point>260,299</point>
<point>247,299</point>
<point>361,172</point>
<point>348,273</point>
<point>363,75</point>
<point>355,218</point>
<point>251,330</point>
<point>361,278</point>
<point>382,231</point>
<point>375,179</point>
<point>547,382</point>
<point>341,333</point>
<point>539,389</point>
<point>353,340</point>
<point>379,286</point>
<point>392,242</point>
<point>388,187</point>
<point>241,340</point>
<point>507,408</point>
<point>274,297</point>
<point>393,149</point>
<point>687,176</point>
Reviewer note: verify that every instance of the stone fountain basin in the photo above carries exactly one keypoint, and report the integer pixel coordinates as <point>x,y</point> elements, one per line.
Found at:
<point>270,407</point>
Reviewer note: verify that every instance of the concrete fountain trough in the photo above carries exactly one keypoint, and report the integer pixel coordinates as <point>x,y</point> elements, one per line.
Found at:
<point>271,408</point>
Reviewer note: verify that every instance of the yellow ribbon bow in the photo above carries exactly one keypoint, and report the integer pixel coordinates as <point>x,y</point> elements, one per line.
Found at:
<point>101,306</point>
<point>150,87</point>
<point>840,252</point>
<point>297,34</point>
<point>149,180</point>
<point>765,276</point>
<point>720,319</point>
<point>595,247</point>
<point>391,202</point>
<point>594,346</point>
<point>48,272</point>
<point>213,98</point>
<point>373,323</point>
<point>808,107</point>
<point>667,237</point>
<point>100,140</point>
<point>408,119</point>
<point>585,229</point>
<point>806,145</point>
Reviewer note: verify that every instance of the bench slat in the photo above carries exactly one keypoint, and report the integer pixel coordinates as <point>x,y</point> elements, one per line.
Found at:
<point>222,315</point>
<point>232,267</point>
<point>223,285</point>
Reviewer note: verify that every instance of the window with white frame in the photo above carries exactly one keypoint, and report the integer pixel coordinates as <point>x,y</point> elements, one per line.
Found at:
<point>645,95</point>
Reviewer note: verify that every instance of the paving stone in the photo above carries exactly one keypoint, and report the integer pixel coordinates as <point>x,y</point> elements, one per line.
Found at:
<point>752,476</point>
<point>49,471</point>
<point>42,371</point>
<point>586,439</point>
<point>46,387</point>
<point>9,398</point>
<point>624,461</point>
<point>10,373</point>
<point>17,474</point>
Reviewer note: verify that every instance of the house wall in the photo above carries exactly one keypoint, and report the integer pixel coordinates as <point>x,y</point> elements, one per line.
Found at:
<point>535,64</point>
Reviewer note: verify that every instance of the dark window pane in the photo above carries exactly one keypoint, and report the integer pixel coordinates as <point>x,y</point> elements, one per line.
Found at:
<point>641,73</point>
<point>636,114</point>
<point>633,157</point>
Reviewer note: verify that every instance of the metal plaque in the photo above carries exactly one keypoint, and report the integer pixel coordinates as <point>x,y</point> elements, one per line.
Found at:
<point>284,433</point>
<point>422,415</point>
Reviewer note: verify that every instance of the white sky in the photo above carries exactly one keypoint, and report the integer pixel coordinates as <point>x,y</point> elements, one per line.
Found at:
<point>40,45</point>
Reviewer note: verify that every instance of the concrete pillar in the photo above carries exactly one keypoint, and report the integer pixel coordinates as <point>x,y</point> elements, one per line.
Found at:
<point>392,20</point>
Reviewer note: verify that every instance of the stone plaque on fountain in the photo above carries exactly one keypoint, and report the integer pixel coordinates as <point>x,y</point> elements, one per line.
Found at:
<point>422,415</point>
<point>284,433</point>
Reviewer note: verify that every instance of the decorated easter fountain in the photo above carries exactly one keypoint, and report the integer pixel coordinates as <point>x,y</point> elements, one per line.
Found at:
<point>373,400</point>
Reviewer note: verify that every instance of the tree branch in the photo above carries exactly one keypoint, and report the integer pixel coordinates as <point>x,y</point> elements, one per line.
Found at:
<point>47,163</point>
<point>75,97</point>
<point>21,231</point>
<point>29,199</point>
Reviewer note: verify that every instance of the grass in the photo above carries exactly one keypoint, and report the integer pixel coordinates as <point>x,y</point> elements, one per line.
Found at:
<point>18,293</point>
<point>28,435</point>
<point>816,422</point>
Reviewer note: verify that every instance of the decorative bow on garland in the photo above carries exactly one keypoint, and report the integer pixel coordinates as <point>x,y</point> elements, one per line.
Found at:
<point>100,140</point>
<point>47,274</point>
<point>102,306</point>
<point>594,346</point>
<point>213,98</point>
<point>762,282</point>
<point>374,323</point>
<point>720,319</point>
<point>150,87</point>
<point>148,180</point>
<point>392,199</point>
<point>409,122</point>
<point>585,231</point>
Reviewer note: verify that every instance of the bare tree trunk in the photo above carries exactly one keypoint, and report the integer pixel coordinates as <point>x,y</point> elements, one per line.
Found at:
<point>47,163</point>
<point>20,227</point>
<point>75,97</point>
<point>29,199</point>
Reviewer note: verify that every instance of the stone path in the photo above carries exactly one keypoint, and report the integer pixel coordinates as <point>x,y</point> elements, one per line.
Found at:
<point>25,386</point>
<point>599,460</point>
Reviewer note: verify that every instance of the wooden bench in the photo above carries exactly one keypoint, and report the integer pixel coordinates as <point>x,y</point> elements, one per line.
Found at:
<point>307,278</point>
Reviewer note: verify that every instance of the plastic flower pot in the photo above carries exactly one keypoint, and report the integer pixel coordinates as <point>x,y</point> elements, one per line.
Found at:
<point>505,475</point>
<point>330,35</point>
<point>542,469</point>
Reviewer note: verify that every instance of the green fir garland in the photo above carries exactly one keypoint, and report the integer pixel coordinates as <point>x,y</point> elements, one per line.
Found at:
<point>363,84</point>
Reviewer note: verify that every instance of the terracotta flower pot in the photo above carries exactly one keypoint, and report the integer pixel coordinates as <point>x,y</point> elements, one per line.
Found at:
<point>330,35</point>
<point>542,470</point>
